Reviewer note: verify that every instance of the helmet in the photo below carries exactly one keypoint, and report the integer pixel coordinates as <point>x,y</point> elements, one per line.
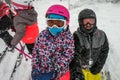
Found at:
<point>86,13</point>
<point>60,10</point>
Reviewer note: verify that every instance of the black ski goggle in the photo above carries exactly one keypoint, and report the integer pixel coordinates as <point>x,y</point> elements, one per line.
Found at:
<point>88,24</point>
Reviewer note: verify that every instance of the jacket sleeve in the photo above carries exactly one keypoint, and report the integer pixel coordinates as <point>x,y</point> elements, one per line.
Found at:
<point>75,65</point>
<point>102,58</point>
<point>23,19</point>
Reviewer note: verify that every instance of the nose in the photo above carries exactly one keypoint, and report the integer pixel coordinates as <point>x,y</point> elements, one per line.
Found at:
<point>88,24</point>
<point>55,26</point>
<point>89,20</point>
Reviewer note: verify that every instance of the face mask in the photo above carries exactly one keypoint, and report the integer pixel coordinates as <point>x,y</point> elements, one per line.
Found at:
<point>55,30</point>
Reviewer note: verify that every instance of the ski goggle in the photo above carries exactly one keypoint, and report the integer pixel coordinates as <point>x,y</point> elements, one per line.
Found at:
<point>89,21</point>
<point>88,24</point>
<point>57,22</point>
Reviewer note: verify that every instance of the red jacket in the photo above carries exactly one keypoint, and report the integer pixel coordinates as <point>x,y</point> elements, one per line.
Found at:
<point>32,32</point>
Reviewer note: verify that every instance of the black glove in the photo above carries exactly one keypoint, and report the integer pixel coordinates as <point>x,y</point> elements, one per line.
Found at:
<point>77,79</point>
<point>11,48</point>
<point>80,77</point>
<point>75,75</point>
<point>12,29</point>
<point>95,70</point>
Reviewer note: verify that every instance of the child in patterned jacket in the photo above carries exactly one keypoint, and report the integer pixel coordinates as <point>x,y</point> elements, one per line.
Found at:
<point>54,48</point>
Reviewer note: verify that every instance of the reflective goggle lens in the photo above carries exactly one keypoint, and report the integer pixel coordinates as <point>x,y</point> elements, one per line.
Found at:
<point>57,22</point>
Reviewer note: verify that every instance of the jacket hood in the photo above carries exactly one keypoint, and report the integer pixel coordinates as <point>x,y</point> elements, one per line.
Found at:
<point>86,13</point>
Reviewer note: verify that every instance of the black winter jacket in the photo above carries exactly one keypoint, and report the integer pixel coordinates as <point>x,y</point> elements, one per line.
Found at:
<point>94,46</point>
<point>5,23</point>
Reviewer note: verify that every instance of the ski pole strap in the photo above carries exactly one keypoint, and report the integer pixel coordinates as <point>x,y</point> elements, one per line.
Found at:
<point>22,49</point>
<point>22,52</point>
<point>21,46</point>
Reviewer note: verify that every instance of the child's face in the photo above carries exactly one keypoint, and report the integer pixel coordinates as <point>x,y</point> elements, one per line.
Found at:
<point>88,23</point>
<point>56,22</point>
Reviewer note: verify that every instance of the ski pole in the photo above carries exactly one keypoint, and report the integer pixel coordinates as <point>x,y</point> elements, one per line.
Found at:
<point>22,49</point>
<point>22,52</point>
<point>3,53</point>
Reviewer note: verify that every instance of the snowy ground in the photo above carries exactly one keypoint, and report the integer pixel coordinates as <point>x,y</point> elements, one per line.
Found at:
<point>108,19</point>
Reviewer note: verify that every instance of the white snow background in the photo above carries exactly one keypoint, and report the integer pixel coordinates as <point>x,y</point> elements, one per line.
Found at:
<point>108,19</point>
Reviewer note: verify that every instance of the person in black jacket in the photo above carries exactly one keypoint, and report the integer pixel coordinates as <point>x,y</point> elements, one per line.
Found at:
<point>5,23</point>
<point>91,48</point>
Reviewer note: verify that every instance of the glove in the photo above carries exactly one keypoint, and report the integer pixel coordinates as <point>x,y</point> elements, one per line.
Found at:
<point>95,69</point>
<point>80,77</point>
<point>11,48</point>
<point>75,75</point>
<point>77,79</point>
<point>12,29</point>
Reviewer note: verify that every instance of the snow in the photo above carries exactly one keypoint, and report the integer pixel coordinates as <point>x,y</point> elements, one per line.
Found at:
<point>108,19</point>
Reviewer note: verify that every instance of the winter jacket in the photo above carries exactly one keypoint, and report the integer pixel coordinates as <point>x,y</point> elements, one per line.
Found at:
<point>5,23</point>
<point>94,46</point>
<point>53,53</point>
<point>23,19</point>
<point>5,20</point>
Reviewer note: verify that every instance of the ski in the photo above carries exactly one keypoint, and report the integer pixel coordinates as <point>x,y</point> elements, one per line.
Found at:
<point>105,75</point>
<point>3,53</point>
<point>17,63</point>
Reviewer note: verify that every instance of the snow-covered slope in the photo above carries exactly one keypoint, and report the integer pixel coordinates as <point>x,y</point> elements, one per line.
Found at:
<point>108,19</point>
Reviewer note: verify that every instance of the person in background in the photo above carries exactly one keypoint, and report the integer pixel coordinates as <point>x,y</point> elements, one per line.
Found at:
<point>54,48</point>
<point>91,48</point>
<point>25,24</point>
<point>5,23</point>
